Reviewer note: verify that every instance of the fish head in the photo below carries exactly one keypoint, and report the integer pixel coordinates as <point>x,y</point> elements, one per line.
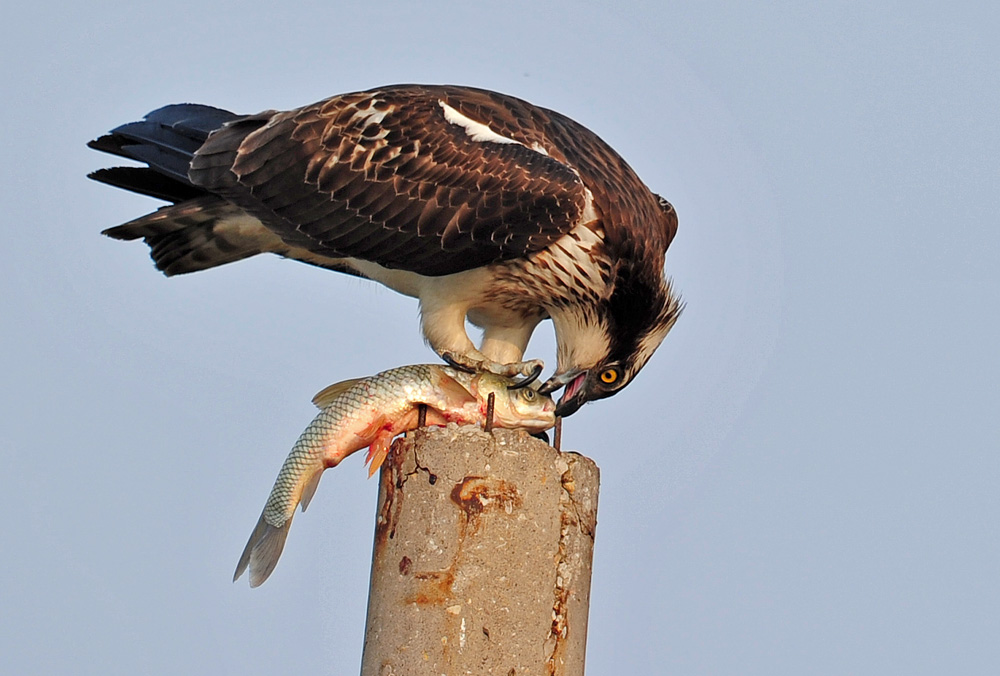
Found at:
<point>521,408</point>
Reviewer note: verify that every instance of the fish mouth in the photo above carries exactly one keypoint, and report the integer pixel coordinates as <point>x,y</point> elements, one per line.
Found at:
<point>574,396</point>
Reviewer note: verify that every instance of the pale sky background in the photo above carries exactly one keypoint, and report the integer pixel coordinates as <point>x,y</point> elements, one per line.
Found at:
<point>802,481</point>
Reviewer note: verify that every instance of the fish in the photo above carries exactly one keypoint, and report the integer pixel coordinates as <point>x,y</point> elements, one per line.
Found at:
<point>371,412</point>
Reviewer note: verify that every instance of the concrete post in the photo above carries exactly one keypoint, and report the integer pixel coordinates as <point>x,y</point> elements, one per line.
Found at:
<point>482,557</point>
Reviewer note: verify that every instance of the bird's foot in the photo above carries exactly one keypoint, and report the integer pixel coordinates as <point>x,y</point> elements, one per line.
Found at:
<point>530,370</point>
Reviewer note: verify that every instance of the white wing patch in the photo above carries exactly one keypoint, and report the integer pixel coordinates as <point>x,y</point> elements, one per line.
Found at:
<point>477,131</point>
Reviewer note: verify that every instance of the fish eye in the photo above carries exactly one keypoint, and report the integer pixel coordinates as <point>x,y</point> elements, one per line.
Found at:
<point>528,394</point>
<point>610,376</point>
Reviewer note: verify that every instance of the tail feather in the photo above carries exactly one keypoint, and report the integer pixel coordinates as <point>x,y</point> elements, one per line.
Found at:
<point>167,138</point>
<point>168,160</point>
<point>262,551</point>
<point>108,143</point>
<point>200,230</point>
<point>198,234</point>
<point>149,182</point>
<point>192,119</point>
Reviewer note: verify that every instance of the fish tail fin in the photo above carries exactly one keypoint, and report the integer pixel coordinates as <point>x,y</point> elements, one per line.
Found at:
<point>262,551</point>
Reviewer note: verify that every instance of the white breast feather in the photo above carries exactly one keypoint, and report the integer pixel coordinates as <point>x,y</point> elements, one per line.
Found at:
<point>570,263</point>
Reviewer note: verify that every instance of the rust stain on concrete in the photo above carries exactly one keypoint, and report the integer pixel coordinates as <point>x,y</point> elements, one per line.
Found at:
<point>392,479</point>
<point>476,494</point>
<point>433,587</point>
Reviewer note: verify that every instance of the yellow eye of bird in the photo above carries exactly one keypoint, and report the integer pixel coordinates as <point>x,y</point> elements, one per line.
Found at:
<point>609,377</point>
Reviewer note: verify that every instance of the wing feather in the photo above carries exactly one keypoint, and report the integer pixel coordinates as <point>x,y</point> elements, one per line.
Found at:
<point>383,176</point>
<point>433,179</point>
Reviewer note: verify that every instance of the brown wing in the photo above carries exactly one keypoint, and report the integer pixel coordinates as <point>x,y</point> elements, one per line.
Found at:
<point>387,177</point>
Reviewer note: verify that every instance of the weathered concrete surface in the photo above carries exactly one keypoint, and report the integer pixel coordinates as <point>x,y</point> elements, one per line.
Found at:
<point>482,557</point>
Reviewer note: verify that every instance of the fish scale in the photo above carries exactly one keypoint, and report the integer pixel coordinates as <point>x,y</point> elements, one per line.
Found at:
<point>371,412</point>
<point>379,393</point>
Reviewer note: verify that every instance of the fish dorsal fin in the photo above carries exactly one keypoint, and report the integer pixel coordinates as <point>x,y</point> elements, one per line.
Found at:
<point>326,396</point>
<point>455,391</point>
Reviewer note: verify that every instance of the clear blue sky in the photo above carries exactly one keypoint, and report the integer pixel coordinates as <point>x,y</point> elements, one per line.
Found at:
<point>804,478</point>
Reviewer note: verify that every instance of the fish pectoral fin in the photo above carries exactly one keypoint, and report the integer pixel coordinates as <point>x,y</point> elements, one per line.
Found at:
<point>376,427</point>
<point>309,489</point>
<point>454,391</point>
<point>326,396</point>
<point>262,551</point>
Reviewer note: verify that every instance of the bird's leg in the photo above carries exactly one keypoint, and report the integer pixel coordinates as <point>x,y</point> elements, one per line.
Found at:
<point>504,343</point>
<point>502,347</point>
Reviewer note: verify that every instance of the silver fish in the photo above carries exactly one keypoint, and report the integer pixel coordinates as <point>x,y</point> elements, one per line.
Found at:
<point>371,412</point>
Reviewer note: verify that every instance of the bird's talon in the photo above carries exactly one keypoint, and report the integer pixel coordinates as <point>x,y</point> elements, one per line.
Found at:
<point>532,368</point>
<point>450,359</point>
<point>528,379</point>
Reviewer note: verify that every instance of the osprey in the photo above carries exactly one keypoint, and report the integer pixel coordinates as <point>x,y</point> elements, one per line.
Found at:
<point>482,206</point>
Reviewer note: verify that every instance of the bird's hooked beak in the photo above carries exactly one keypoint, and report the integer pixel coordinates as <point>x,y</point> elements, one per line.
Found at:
<point>575,394</point>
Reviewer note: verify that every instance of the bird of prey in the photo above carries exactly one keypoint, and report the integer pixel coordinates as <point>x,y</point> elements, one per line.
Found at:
<point>482,206</point>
